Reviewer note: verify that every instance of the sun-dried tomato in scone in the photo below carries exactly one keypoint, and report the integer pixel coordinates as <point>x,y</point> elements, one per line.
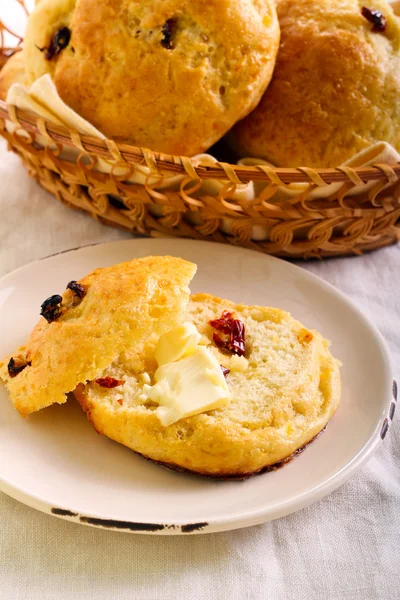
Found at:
<point>234,332</point>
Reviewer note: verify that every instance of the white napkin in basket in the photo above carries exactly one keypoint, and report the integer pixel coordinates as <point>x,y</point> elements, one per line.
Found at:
<point>42,98</point>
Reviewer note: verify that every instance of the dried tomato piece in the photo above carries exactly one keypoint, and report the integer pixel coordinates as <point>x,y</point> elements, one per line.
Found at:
<point>51,308</point>
<point>168,30</point>
<point>375,17</point>
<point>225,371</point>
<point>234,329</point>
<point>77,289</point>
<point>14,368</point>
<point>224,323</point>
<point>58,42</point>
<point>109,382</point>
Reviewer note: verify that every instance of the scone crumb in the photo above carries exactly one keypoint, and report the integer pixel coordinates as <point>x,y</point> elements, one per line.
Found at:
<point>289,429</point>
<point>305,336</point>
<point>238,363</point>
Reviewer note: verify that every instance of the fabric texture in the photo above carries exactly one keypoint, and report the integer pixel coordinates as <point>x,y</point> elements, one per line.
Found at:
<point>345,547</point>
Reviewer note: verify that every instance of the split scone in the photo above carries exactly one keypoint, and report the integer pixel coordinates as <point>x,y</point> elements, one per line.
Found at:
<point>203,384</point>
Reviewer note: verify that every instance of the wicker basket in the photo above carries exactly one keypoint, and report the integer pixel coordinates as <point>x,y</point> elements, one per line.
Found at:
<point>159,195</point>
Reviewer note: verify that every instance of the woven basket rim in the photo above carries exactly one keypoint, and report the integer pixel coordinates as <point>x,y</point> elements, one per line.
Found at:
<point>124,152</point>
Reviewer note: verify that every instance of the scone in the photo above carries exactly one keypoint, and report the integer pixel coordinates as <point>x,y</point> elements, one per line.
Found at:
<point>92,324</point>
<point>170,75</point>
<point>12,72</point>
<point>283,391</point>
<point>205,385</point>
<point>335,88</point>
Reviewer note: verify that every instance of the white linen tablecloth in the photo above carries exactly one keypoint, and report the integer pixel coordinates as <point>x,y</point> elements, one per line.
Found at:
<point>345,547</point>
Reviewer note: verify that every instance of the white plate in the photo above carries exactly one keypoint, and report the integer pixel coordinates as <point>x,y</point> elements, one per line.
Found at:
<point>55,461</point>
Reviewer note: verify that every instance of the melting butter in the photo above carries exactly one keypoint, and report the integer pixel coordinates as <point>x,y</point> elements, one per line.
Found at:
<point>178,342</point>
<point>189,379</point>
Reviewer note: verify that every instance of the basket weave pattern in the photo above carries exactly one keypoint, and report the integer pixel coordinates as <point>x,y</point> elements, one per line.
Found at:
<point>295,224</point>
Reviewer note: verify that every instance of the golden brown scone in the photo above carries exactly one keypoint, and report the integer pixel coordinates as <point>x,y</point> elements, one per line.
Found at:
<point>12,72</point>
<point>120,305</point>
<point>171,75</point>
<point>285,397</point>
<point>335,89</point>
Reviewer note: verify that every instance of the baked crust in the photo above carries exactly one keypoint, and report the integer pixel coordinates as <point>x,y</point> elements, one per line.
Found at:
<point>118,73</point>
<point>121,305</point>
<point>335,87</point>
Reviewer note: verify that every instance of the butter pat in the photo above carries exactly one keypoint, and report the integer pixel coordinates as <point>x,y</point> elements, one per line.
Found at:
<point>178,342</point>
<point>189,379</point>
<point>187,387</point>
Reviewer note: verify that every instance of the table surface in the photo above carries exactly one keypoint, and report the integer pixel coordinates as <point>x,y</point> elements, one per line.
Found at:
<point>345,547</point>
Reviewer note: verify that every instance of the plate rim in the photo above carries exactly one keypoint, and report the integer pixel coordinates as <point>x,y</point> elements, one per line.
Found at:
<point>230,522</point>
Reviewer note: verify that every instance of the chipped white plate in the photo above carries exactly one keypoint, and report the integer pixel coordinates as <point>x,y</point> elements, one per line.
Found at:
<point>55,461</point>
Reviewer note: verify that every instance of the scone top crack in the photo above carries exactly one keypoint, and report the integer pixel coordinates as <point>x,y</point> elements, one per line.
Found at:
<point>96,319</point>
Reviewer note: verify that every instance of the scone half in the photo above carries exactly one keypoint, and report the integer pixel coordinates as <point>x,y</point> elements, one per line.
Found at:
<point>93,322</point>
<point>283,393</point>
